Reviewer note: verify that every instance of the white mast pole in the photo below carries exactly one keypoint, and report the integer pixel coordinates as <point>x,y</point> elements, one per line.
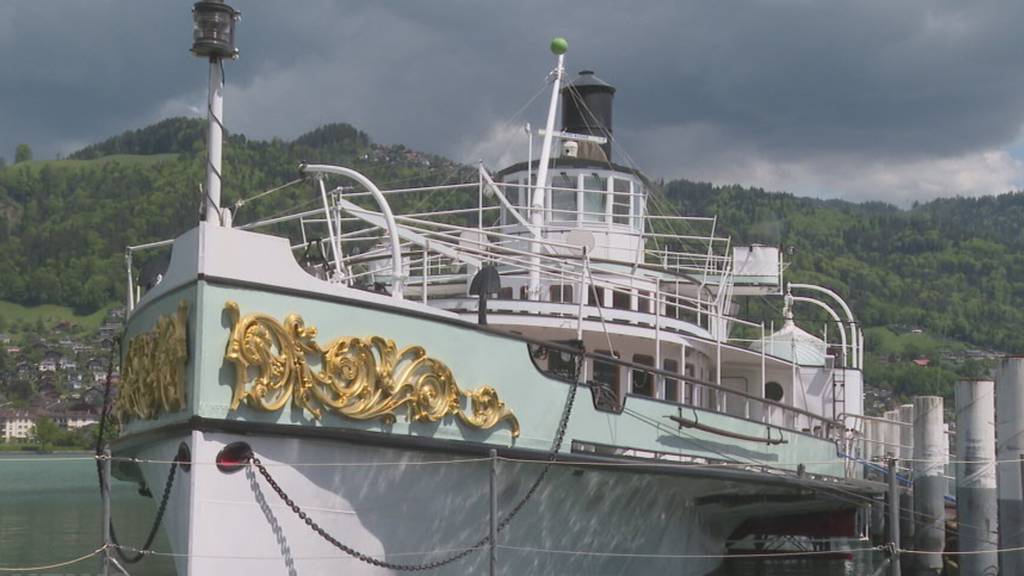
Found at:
<point>558,46</point>
<point>214,139</point>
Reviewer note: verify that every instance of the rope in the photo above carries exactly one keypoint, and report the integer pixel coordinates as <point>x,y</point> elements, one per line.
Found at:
<point>52,566</point>
<point>693,556</point>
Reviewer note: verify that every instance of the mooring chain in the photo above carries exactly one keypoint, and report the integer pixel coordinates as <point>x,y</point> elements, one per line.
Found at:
<point>142,551</point>
<point>104,414</point>
<point>481,543</point>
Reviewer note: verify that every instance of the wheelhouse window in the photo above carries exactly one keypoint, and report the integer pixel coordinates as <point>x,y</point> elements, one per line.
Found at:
<point>620,201</point>
<point>595,190</point>
<point>638,209</point>
<point>563,201</point>
<point>642,381</point>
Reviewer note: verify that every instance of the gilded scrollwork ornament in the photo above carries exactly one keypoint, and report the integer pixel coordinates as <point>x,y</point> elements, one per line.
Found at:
<point>363,378</point>
<point>153,373</point>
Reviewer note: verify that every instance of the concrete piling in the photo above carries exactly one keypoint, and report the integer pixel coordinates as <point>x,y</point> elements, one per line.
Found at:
<point>891,434</point>
<point>1010,452</point>
<point>976,476</point>
<point>906,461</point>
<point>930,449</point>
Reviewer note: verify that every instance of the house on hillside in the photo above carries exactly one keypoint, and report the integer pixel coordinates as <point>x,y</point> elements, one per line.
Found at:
<point>16,425</point>
<point>50,362</point>
<point>72,420</point>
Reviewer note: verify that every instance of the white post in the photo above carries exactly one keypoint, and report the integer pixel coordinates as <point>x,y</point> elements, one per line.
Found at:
<point>131,288</point>
<point>538,202</point>
<point>335,241</point>
<point>906,456</point>
<point>105,493</point>
<point>426,260</point>
<point>929,483</point>
<point>1010,454</point>
<point>659,388</point>
<point>214,139</point>
<point>976,476</point>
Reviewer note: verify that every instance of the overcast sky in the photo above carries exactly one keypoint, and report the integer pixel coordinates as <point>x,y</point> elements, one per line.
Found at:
<point>862,100</point>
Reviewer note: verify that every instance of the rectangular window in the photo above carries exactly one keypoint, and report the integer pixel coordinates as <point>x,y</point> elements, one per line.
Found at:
<point>671,384</point>
<point>594,192</point>
<point>621,300</point>
<point>563,202</point>
<point>643,302</point>
<point>561,293</point>
<point>643,382</point>
<point>562,363</point>
<point>606,372</point>
<point>638,209</point>
<point>620,201</point>
<point>595,296</point>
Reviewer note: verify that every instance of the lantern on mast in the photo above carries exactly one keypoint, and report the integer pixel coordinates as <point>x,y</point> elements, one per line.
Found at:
<point>213,37</point>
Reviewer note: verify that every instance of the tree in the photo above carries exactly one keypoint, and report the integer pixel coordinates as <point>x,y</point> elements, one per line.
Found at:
<point>46,433</point>
<point>23,153</point>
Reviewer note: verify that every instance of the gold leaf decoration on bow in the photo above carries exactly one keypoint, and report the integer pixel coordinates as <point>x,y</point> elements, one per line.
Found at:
<point>363,378</point>
<point>153,374</point>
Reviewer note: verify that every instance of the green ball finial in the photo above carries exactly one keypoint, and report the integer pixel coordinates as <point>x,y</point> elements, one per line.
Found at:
<point>559,46</point>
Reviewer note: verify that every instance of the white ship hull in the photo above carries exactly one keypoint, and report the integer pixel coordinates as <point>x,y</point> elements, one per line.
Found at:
<point>407,506</point>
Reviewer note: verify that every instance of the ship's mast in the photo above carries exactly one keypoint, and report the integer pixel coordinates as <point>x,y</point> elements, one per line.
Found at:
<point>558,47</point>
<point>213,37</point>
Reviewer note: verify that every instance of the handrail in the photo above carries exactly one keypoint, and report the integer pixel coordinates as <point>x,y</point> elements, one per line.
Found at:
<point>551,345</point>
<point>389,218</point>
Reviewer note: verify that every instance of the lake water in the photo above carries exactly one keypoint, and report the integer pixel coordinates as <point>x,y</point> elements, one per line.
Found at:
<point>50,511</point>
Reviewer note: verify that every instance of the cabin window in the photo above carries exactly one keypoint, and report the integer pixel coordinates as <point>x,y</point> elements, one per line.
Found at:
<point>643,382</point>
<point>595,296</point>
<point>773,391</point>
<point>621,300</point>
<point>643,302</point>
<point>562,363</point>
<point>561,293</point>
<point>563,202</point>
<point>620,201</point>
<point>606,372</point>
<point>595,188</point>
<point>671,384</point>
<point>505,293</point>
<point>638,210</point>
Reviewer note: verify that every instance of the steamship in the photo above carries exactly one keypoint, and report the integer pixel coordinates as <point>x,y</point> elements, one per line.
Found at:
<point>547,358</point>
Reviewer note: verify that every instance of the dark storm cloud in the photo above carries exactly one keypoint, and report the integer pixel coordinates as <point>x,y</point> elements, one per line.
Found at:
<point>779,91</point>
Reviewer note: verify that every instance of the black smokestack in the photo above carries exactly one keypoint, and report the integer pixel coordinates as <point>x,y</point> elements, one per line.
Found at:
<point>587,109</point>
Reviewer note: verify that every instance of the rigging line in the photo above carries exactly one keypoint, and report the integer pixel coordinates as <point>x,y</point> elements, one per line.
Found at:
<point>151,552</point>
<point>52,566</point>
<point>794,554</point>
<point>243,201</point>
<point>508,122</point>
